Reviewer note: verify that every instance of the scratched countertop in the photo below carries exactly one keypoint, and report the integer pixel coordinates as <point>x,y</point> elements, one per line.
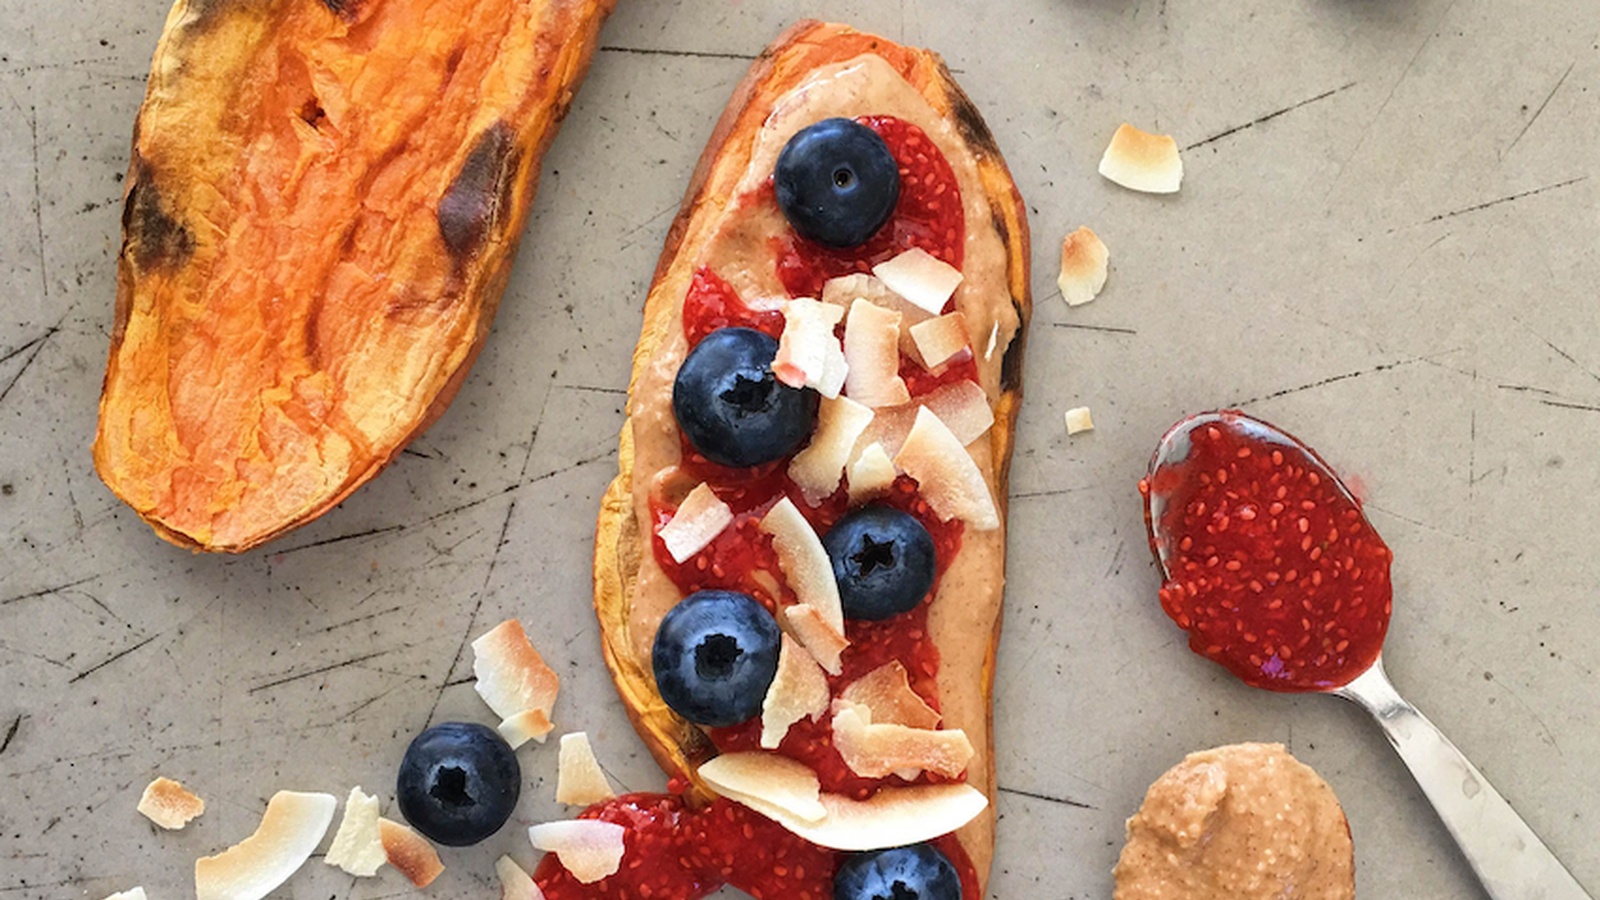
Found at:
<point>1388,241</point>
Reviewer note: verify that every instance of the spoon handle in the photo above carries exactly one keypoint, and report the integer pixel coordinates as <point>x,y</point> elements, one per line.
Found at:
<point>1510,860</point>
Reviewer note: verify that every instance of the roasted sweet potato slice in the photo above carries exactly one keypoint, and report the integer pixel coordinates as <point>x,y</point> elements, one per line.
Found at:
<point>322,208</point>
<point>787,86</point>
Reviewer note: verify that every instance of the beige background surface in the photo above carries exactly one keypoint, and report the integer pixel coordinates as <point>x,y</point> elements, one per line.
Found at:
<point>1388,242</point>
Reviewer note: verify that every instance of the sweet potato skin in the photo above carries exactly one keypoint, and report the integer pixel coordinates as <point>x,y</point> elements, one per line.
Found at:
<point>321,210</point>
<point>678,746</point>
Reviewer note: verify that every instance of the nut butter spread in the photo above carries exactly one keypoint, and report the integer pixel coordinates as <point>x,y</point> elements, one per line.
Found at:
<point>1243,822</point>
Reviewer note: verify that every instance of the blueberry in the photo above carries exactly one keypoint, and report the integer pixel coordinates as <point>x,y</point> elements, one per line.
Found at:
<point>918,872</point>
<point>458,783</point>
<point>883,560</point>
<point>715,655</point>
<point>837,182</point>
<point>730,405</point>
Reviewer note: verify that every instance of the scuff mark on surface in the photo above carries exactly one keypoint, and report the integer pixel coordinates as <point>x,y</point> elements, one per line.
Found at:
<point>1269,116</point>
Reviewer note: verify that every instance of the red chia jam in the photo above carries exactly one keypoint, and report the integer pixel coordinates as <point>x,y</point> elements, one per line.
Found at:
<point>712,304</point>
<point>675,852</point>
<point>928,215</point>
<point>1271,567</point>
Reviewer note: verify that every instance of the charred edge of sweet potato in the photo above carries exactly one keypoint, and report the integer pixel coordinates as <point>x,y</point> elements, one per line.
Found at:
<point>471,207</point>
<point>974,130</point>
<point>344,9</point>
<point>150,232</point>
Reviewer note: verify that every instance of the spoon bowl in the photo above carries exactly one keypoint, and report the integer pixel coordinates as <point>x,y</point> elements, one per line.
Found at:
<point>1269,564</point>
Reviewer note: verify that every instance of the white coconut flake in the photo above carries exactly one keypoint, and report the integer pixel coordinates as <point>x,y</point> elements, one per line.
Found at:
<point>887,695</point>
<point>410,853</point>
<point>515,883</point>
<point>872,474</point>
<point>878,749</point>
<point>1141,161</point>
<point>767,783</point>
<point>1078,420</point>
<point>1084,260</point>
<point>799,690</point>
<point>699,519</point>
<point>942,340</point>
<point>513,679</point>
<point>821,639</point>
<point>580,780</point>
<point>290,830</point>
<point>921,278</point>
<point>948,478</point>
<point>891,817</point>
<point>818,469</point>
<point>804,562</point>
<point>872,352</point>
<point>588,848</point>
<point>357,846</point>
<point>808,347</point>
<point>169,804</point>
<point>525,726</point>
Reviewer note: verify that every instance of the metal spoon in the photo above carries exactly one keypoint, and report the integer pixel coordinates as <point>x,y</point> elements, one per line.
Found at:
<point>1507,856</point>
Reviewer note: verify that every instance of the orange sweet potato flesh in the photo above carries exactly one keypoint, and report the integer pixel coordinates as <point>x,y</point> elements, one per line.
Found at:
<point>322,208</point>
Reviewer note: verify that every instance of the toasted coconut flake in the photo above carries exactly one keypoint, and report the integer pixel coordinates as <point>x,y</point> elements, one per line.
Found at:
<point>847,289</point>
<point>770,784</point>
<point>513,679</point>
<point>798,691</point>
<point>515,883</point>
<point>892,817</point>
<point>877,749</point>
<point>872,474</point>
<point>886,694</point>
<point>921,278</point>
<point>889,428</point>
<point>964,408</point>
<point>1083,267</point>
<point>580,781</point>
<point>357,846</point>
<point>824,642</point>
<point>872,350</point>
<point>291,828</point>
<point>804,563</point>
<point>410,853</point>
<point>169,804</point>
<point>947,476</point>
<point>588,848</point>
<point>818,468</point>
<point>808,346</point>
<point>941,341</point>
<point>699,519</point>
<point>528,725</point>
<point>1141,161</point>
<point>1078,420</point>
<point>134,893</point>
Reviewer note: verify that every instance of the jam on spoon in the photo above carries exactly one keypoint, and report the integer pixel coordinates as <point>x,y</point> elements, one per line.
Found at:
<point>1269,565</point>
